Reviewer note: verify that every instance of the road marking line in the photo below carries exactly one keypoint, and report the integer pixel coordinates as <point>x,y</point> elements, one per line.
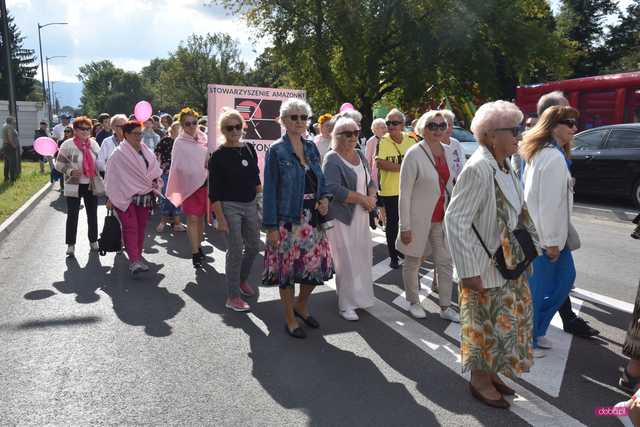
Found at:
<point>603,300</point>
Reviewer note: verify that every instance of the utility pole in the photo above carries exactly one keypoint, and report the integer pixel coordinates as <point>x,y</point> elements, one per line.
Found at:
<point>44,89</point>
<point>13,106</point>
<point>51,97</point>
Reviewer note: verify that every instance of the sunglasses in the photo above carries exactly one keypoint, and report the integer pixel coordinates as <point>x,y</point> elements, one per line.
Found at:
<point>436,126</point>
<point>188,124</point>
<point>515,131</point>
<point>350,133</point>
<point>83,128</point>
<point>232,127</point>
<point>136,133</point>
<point>301,117</point>
<point>393,123</point>
<point>67,131</point>
<point>569,122</point>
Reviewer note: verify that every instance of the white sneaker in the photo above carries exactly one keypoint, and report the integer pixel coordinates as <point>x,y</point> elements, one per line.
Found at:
<point>135,268</point>
<point>417,311</point>
<point>538,353</point>
<point>94,246</point>
<point>449,314</point>
<point>71,250</point>
<point>544,343</point>
<point>349,314</point>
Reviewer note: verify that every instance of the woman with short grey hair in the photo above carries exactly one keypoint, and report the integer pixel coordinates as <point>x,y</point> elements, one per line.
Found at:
<point>487,203</point>
<point>349,180</point>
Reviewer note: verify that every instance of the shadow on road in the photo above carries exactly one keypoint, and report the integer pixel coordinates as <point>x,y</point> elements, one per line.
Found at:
<point>83,281</point>
<point>140,301</point>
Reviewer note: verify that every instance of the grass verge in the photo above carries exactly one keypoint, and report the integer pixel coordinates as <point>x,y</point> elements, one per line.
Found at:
<point>12,196</point>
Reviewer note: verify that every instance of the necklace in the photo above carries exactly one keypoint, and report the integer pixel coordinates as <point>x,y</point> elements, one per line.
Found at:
<point>239,150</point>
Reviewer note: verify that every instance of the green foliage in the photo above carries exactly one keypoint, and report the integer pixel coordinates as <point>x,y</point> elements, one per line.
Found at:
<point>182,79</point>
<point>623,43</point>
<point>581,22</point>
<point>23,63</point>
<point>108,89</point>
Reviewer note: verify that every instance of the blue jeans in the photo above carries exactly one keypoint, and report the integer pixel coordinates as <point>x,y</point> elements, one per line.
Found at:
<point>550,285</point>
<point>167,209</point>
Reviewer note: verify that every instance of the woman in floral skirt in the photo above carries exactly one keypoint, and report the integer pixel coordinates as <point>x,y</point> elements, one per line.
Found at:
<point>294,205</point>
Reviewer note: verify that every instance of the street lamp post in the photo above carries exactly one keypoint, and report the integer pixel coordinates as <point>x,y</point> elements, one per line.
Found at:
<point>50,98</point>
<point>44,89</point>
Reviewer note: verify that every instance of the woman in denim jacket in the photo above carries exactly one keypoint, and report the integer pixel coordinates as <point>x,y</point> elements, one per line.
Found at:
<point>295,203</point>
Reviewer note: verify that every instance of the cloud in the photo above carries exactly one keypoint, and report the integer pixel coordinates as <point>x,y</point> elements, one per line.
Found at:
<point>128,32</point>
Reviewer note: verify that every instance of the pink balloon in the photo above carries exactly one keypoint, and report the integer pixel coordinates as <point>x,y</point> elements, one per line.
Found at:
<point>142,111</point>
<point>346,107</point>
<point>45,146</point>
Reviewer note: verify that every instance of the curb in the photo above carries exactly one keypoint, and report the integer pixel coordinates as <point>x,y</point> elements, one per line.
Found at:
<point>615,214</point>
<point>15,218</point>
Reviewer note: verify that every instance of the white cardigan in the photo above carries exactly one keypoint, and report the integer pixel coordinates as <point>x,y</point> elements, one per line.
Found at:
<point>474,202</point>
<point>419,194</point>
<point>548,191</point>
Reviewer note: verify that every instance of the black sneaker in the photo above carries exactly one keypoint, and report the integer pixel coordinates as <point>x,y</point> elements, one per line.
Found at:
<point>394,264</point>
<point>627,382</point>
<point>580,327</point>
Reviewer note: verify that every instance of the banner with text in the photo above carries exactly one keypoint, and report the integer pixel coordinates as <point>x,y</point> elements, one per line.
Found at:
<point>260,108</point>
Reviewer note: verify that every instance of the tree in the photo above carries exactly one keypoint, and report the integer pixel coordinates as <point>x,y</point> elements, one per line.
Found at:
<point>182,79</point>
<point>23,63</point>
<point>581,21</point>
<point>417,50</point>
<point>623,42</point>
<point>109,89</point>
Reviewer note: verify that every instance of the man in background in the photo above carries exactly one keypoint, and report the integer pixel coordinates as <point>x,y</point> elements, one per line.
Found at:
<point>10,148</point>
<point>106,131</point>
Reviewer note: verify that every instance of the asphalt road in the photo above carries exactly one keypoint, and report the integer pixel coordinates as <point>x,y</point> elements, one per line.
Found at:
<point>83,344</point>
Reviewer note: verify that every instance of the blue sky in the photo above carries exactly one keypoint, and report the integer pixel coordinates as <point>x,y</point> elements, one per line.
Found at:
<point>128,32</point>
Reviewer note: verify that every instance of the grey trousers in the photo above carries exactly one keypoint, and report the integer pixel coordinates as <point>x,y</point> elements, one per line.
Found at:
<point>243,242</point>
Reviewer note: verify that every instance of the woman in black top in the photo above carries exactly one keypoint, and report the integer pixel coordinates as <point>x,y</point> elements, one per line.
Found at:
<point>234,182</point>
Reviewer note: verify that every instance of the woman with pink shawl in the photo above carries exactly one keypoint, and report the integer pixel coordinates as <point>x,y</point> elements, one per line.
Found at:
<point>187,186</point>
<point>132,180</point>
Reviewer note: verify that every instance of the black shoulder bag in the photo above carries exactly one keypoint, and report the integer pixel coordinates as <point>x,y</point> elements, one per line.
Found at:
<point>525,241</point>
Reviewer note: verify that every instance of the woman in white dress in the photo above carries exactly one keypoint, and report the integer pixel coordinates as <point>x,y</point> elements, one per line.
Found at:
<point>348,178</point>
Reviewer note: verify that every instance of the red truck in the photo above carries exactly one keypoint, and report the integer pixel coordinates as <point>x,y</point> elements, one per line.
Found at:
<point>601,100</point>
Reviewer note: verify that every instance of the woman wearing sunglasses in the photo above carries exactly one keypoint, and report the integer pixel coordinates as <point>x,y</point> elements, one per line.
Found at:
<point>296,199</point>
<point>234,182</point>
<point>187,186</point>
<point>349,180</point>
<point>132,182</point>
<point>426,181</point>
<point>486,203</point>
<point>77,162</point>
<point>548,190</point>
<point>391,150</point>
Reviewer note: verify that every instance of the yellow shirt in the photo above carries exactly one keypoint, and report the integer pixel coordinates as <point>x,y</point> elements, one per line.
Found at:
<point>392,152</point>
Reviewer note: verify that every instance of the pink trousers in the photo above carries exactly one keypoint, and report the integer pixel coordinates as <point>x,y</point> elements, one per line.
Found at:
<point>134,221</point>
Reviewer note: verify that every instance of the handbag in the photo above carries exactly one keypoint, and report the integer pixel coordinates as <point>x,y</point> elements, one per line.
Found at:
<point>111,237</point>
<point>523,238</point>
<point>573,238</point>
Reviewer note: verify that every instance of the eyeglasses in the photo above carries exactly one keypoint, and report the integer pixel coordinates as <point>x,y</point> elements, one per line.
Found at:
<point>232,127</point>
<point>350,133</point>
<point>188,124</point>
<point>436,126</point>
<point>83,128</point>
<point>393,123</point>
<point>569,122</point>
<point>515,131</point>
<point>298,117</point>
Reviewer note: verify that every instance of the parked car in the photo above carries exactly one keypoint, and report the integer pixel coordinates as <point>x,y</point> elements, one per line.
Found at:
<point>606,161</point>
<point>467,140</point>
